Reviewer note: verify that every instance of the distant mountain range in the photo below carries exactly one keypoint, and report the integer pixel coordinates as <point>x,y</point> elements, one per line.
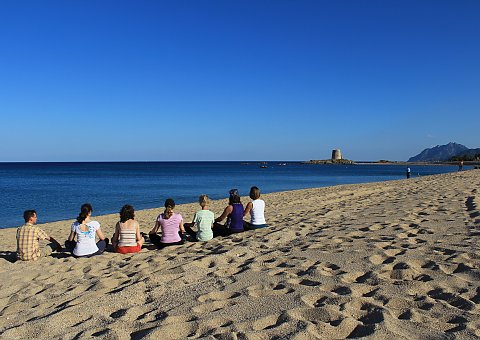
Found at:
<point>442,153</point>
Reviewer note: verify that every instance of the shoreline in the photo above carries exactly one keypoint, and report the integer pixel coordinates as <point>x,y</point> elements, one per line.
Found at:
<point>187,210</point>
<point>244,199</point>
<point>60,215</point>
<point>397,259</point>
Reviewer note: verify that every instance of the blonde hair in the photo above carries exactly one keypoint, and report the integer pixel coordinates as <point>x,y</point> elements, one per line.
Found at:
<point>203,200</point>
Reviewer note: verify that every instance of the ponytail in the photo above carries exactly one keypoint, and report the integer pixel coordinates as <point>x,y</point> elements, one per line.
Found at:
<point>168,212</point>
<point>84,211</point>
<point>203,200</point>
<point>169,205</point>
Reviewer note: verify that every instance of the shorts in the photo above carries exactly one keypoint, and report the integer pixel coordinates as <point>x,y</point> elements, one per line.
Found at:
<point>128,249</point>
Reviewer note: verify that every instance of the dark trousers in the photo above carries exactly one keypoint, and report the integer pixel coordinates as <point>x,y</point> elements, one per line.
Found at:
<point>249,226</point>
<point>190,231</point>
<point>221,230</point>
<point>155,239</point>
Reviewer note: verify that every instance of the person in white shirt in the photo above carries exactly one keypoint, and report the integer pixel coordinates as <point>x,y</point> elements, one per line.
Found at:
<point>85,230</point>
<point>256,209</point>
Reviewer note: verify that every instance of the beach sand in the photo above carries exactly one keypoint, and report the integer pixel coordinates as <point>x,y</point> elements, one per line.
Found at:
<point>397,259</point>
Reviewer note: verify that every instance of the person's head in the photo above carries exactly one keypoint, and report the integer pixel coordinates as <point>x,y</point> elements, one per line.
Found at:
<point>127,213</point>
<point>203,200</point>
<point>85,211</point>
<point>30,216</point>
<point>235,199</point>
<point>169,206</point>
<point>232,193</point>
<point>254,193</point>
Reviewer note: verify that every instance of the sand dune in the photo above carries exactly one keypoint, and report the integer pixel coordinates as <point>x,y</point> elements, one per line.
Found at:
<point>396,259</point>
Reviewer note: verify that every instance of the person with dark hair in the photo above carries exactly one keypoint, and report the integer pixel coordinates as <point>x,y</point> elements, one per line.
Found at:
<point>85,229</point>
<point>234,215</point>
<point>127,238</point>
<point>171,225</point>
<point>28,236</point>
<point>256,209</point>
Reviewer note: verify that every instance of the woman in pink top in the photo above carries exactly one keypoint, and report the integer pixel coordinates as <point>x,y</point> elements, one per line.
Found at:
<point>171,225</point>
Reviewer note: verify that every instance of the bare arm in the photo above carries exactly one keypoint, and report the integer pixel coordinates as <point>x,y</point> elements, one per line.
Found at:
<point>248,208</point>
<point>155,228</point>
<point>115,235</point>
<point>57,245</point>
<point>139,237</point>
<point>100,234</point>
<point>71,237</point>
<point>228,210</point>
<point>182,229</point>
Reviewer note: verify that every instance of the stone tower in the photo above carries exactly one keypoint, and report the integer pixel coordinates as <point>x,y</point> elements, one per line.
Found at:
<point>336,155</point>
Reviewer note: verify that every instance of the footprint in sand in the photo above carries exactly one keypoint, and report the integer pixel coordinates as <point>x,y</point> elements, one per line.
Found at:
<point>369,278</point>
<point>212,306</point>
<point>270,321</point>
<point>315,299</point>
<point>373,227</point>
<point>118,314</point>
<point>366,312</point>
<point>329,314</point>
<point>174,331</point>
<point>306,282</point>
<point>261,290</point>
<point>342,290</point>
<point>403,271</point>
<point>378,259</point>
<point>452,299</point>
<point>218,296</point>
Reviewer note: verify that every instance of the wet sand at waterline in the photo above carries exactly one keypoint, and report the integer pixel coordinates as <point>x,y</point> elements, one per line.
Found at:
<point>397,259</point>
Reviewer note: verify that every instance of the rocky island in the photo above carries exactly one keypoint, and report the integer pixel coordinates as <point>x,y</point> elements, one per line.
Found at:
<point>337,158</point>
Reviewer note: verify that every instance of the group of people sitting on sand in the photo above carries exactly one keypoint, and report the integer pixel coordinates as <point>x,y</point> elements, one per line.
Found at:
<point>127,237</point>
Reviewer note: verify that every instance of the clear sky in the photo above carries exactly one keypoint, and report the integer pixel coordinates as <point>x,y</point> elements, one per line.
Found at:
<point>236,80</point>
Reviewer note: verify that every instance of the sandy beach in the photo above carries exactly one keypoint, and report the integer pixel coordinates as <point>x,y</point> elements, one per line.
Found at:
<point>390,260</point>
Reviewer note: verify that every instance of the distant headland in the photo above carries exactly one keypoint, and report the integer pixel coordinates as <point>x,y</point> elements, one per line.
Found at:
<point>449,154</point>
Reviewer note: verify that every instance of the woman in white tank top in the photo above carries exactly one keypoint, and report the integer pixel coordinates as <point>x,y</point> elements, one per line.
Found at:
<point>256,208</point>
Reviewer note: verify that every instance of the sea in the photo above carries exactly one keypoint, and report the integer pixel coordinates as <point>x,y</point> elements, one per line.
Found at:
<point>57,190</point>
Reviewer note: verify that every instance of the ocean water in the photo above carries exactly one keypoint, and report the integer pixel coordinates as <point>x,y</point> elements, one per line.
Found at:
<point>57,190</point>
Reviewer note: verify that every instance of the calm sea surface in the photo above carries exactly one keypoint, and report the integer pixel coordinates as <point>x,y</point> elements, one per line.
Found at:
<point>56,190</point>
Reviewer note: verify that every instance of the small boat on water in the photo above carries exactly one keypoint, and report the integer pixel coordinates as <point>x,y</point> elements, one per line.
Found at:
<point>263,166</point>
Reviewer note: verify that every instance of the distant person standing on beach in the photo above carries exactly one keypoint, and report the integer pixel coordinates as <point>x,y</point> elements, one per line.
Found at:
<point>127,238</point>
<point>256,209</point>
<point>408,173</point>
<point>85,229</point>
<point>28,236</point>
<point>460,166</point>
<point>170,224</point>
<point>203,219</point>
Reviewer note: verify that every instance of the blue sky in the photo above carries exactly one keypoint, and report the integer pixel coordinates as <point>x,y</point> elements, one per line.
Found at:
<point>236,80</point>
